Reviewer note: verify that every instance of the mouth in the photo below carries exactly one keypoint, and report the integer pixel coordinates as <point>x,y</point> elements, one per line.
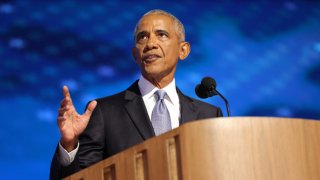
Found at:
<point>148,58</point>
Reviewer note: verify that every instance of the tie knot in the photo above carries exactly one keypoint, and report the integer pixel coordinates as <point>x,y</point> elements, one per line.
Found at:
<point>160,94</point>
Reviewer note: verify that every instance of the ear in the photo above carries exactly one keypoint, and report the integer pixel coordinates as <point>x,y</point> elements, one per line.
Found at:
<point>184,50</point>
<point>135,54</point>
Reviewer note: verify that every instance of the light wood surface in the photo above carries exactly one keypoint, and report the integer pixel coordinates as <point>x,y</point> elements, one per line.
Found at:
<point>237,148</point>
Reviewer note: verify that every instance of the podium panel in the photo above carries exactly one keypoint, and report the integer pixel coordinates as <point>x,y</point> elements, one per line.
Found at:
<point>239,148</point>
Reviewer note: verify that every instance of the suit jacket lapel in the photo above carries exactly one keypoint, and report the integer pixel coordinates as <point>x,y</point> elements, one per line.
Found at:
<point>138,112</point>
<point>187,107</point>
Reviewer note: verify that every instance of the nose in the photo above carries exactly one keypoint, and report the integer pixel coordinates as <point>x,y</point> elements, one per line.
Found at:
<point>151,43</point>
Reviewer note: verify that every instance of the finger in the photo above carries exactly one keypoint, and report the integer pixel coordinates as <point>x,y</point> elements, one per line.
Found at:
<point>60,113</point>
<point>62,110</point>
<point>60,121</point>
<point>61,118</point>
<point>66,92</point>
<point>92,105</point>
<point>65,102</point>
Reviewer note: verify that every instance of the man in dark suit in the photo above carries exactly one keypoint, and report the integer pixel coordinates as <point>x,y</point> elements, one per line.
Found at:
<point>112,124</point>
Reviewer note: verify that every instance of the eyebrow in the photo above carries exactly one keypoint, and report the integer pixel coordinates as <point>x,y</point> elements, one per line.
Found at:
<point>158,31</point>
<point>142,33</point>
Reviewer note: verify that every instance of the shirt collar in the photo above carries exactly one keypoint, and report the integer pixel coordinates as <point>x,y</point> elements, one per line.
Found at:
<point>147,89</point>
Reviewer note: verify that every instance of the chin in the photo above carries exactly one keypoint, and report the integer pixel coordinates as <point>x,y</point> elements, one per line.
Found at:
<point>152,70</point>
<point>151,73</point>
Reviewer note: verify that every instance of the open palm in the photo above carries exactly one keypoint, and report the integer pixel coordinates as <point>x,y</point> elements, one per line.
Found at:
<point>71,124</point>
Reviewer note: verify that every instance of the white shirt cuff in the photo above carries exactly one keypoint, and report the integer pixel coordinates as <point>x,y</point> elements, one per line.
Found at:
<point>66,158</point>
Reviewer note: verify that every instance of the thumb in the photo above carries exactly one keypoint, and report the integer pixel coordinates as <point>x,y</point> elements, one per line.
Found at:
<point>92,105</point>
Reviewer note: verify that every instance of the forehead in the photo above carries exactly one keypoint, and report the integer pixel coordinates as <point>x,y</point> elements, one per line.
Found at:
<point>155,21</point>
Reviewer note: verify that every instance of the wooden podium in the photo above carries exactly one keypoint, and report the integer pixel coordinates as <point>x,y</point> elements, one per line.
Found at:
<point>239,148</point>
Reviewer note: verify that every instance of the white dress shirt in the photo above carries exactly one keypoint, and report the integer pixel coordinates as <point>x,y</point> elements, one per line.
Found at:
<point>171,99</point>
<point>147,91</point>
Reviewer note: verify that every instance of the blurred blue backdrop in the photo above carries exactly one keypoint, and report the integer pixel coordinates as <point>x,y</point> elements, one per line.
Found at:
<point>264,55</point>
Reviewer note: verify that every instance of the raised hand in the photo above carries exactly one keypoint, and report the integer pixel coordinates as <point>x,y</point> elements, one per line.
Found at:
<point>70,123</point>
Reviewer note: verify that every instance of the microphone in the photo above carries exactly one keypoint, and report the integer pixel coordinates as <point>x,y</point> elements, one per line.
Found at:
<point>207,88</point>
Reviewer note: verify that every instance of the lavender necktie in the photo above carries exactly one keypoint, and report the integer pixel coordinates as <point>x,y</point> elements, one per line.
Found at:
<point>160,117</point>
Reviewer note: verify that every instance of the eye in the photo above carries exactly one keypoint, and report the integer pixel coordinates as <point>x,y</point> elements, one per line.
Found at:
<point>142,37</point>
<point>163,35</point>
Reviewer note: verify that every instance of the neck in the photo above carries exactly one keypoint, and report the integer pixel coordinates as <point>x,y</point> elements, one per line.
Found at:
<point>159,82</point>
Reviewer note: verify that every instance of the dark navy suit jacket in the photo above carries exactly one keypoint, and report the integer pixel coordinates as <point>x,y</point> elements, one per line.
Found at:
<point>119,122</point>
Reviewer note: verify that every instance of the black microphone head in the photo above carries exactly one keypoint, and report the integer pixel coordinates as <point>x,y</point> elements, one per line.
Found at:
<point>208,83</point>
<point>201,92</point>
<point>207,88</point>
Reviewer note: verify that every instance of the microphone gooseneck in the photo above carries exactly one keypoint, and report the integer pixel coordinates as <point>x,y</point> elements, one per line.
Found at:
<point>207,88</point>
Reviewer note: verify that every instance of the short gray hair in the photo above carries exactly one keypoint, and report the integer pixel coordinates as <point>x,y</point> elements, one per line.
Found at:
<point>177,23</point>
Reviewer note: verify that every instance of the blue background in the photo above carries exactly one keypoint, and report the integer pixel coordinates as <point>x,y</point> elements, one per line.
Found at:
<point>264,55</point>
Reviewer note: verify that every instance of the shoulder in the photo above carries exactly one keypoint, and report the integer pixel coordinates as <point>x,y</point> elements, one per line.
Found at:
<point>207,110</point>
<point>122,97</point>
<point>204,109</point>
<point>187,99</point>
<point>202,105</point>
<point>112,99</point>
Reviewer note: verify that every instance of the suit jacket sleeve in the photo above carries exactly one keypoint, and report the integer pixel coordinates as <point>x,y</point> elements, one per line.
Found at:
<point>90,149</point>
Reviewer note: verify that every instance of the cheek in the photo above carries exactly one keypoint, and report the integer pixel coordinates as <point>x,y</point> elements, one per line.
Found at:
<point>138,54</point>
<point>172,53</point>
